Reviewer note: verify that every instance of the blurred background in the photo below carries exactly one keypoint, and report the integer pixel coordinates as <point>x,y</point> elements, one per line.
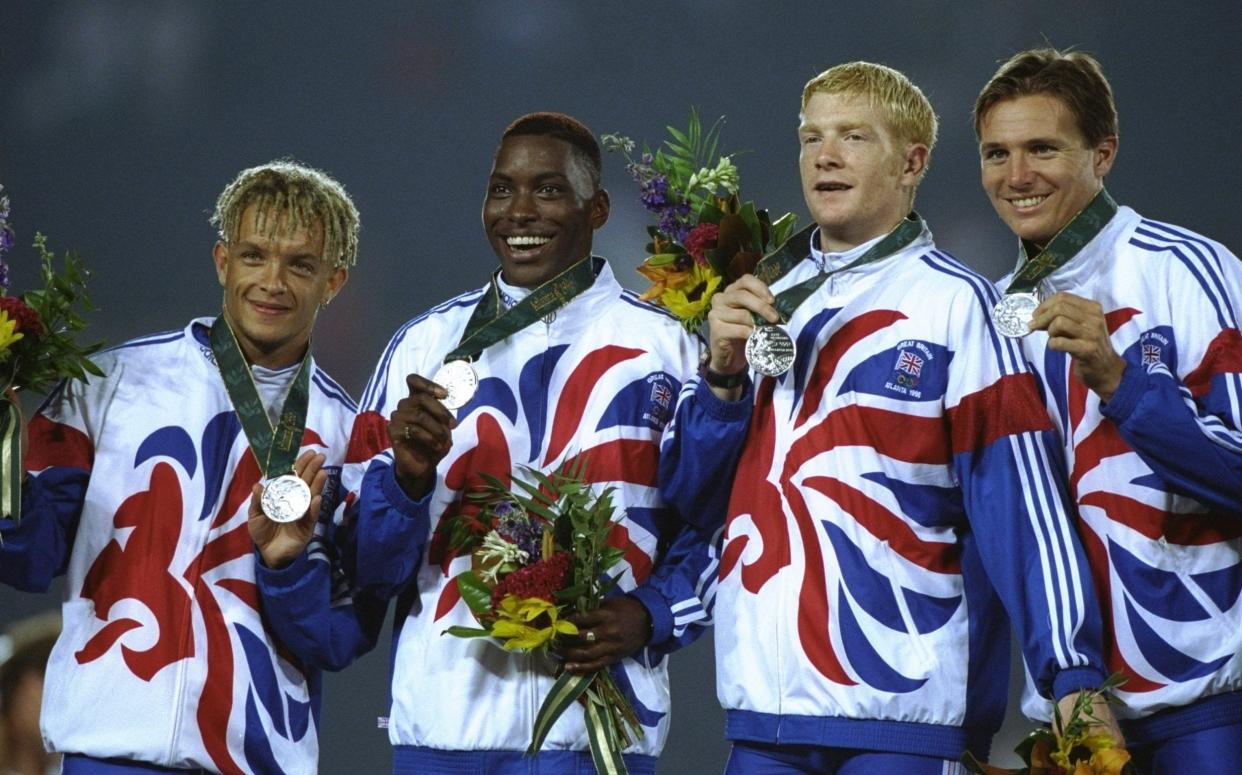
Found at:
<point>121,121</point>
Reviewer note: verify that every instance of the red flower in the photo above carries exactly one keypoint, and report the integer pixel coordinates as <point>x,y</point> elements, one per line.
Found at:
<point>28,322</point>
<point>542,579</point>
<point>700,238</point>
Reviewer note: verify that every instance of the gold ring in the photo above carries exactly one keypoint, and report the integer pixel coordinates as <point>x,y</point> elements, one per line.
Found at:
<point>406,434</point>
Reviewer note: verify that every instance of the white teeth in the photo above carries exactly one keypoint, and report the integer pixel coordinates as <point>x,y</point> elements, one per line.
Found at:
<point>1029,201</point>
<point>527,242</point>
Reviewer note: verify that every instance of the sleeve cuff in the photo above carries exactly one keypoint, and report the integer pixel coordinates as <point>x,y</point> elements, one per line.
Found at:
<point>657,609</point>
<point>397,498</point>
<point>1131,389</point>
<point>728,411</point>
<point>285,579</point>
<point>1076,679</point>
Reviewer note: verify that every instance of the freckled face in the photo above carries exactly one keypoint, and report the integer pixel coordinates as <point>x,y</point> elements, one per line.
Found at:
<point>855,174</point>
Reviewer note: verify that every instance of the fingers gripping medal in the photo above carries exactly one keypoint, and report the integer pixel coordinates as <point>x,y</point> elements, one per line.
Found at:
<point>460,380</point>
<point>1012,314</point>
<point>285,498</point>
<point>769,350</point>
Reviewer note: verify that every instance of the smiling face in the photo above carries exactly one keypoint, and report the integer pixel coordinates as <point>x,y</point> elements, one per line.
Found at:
<point>858,179</point>
<point>273,284</point>
<point>1037,167</point>
<point>541,209</point>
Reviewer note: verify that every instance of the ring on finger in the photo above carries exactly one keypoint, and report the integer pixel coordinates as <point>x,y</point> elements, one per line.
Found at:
<point>589,636</point>
<point>406,434</point>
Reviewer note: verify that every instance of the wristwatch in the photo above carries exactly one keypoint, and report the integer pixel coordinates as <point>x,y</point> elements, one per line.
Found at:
<point>723,381</point>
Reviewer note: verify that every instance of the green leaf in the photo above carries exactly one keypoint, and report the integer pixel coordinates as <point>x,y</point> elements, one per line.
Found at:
<point>468,632</point>
<point>478,596</point>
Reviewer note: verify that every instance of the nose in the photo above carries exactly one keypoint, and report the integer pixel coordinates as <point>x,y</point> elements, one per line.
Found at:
<point>827,155</point>
<point>1018,172</point>
<point>273,278</point>
<point>522,206</point>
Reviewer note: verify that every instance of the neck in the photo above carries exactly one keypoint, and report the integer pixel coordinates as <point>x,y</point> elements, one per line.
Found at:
<point>841,243</point>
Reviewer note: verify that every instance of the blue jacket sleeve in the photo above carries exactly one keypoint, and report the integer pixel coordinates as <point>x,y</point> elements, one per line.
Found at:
<point>312,610</point>
<point>37,549</point>
<point>680,593</point>
<point>1194,446</point>
<point>700,451</point>
<point>390,533</point>
<point>1012,477</point>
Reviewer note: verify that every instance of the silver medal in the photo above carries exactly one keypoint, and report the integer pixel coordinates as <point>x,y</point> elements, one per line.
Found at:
<point>461,382</point>
<point>769,350</point>
<point>285,498</point>
<point>1012,314</point>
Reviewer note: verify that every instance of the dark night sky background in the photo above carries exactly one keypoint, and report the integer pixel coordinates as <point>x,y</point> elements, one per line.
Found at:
<point>121,121</point>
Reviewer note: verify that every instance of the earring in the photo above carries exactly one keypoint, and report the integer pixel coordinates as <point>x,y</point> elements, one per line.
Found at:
<point>324,304</point>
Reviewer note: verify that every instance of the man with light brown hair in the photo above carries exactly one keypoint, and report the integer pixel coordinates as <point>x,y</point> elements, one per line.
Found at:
<point>1133,327</point>
<point>897,482</point>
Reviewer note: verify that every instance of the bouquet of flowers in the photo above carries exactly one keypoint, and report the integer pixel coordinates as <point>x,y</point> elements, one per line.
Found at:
<point>539,553</point>
<point>1078,751</point>
<point>705,237</point>
<point>37,348</point>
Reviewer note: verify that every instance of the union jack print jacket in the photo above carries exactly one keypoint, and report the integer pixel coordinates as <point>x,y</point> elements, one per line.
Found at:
<point>138,489</point>
<point>598,379</point>
<point>896,492</point>
<point>1156,472</point>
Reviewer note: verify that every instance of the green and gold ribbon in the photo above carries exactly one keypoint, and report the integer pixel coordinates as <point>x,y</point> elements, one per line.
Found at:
<point>1080,230</point>
<point>10,459</point>
<point>777,264</point>
<point>274,448</point>
<point>491,322</point>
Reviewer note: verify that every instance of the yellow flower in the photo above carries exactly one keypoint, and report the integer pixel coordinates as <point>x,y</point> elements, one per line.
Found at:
<point>1093,754</point>
<point>7,337</point>
<point>692,299</point>
<point>528,623</point>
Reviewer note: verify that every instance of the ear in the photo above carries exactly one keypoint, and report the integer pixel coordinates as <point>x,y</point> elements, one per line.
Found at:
<point>335,281</point>
<point>600,206</point>
<point>915,165</point>
<point>1103,156</point>
<point>220,255</point>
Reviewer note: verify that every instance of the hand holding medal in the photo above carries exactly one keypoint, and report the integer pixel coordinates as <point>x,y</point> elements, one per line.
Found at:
<point>279,537</point>
<point>1077,326</point>
<point>737,313</point>
<point>420,429</point>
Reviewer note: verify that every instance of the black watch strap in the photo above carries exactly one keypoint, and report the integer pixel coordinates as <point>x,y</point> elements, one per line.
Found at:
<point>723,381</point>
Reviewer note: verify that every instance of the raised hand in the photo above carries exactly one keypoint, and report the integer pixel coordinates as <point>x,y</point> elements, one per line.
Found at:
<point>279,543</point>
<point>730,322</point>
<point>420,430</point>
<point>1077,326</point>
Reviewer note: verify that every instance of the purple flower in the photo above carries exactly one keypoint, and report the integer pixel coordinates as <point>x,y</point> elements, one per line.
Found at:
<point>654,193</point>
<point>518,528</point>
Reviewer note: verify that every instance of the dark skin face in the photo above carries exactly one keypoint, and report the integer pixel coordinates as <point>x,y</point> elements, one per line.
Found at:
<point>540,211</point>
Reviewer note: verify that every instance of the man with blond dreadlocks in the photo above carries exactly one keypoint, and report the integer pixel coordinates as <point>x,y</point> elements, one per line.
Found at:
<point>140,485</point>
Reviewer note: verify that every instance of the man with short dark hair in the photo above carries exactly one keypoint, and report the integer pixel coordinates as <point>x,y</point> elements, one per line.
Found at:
<point>139,490</point>
<point>1132,325</point>
<point>548,363</point>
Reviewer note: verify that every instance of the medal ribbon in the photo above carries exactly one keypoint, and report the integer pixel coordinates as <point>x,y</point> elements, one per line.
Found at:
<point>491,323</point>
<point>274,448</point>
<point>1080,230</point>
<point>775,265</point>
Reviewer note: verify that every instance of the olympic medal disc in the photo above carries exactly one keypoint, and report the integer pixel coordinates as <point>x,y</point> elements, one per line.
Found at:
<point>285,498</point>
<point>769,350</point>
<point>1012,314</point>
<point>461,382</point>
